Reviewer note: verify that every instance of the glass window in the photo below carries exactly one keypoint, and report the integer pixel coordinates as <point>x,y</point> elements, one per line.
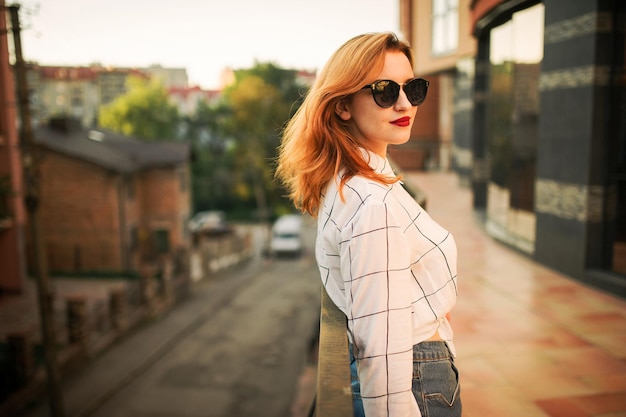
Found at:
<point>516,52</point>
<point>617,160</point>
<point>133,238</point>
<point>512,128</point>
<point>162,240</point>
<point>445,30</point>
<point>77,97</point>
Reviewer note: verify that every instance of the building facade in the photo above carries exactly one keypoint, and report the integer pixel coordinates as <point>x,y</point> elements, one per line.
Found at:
<point>110,203</point>
<point>538,126</point>
<point>443,51</point>
<point>12,211</point>
<point>76,92</point>
<point>79,92</point>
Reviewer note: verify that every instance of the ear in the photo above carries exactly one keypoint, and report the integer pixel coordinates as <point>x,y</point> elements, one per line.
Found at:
<point>343,110</point>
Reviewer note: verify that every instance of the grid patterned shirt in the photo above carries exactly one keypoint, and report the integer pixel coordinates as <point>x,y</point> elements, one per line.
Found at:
<point>392,270</point>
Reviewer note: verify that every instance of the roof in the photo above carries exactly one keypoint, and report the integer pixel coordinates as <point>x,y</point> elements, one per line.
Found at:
<point>110,150</point>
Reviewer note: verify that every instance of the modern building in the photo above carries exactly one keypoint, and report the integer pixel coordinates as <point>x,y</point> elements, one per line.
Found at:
<point>532,96</point>
<point>169,77</point>
<point>187,99</point>
<point>443,50</point>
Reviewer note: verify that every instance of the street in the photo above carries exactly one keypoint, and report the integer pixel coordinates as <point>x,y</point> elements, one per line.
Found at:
<point>235,348</point>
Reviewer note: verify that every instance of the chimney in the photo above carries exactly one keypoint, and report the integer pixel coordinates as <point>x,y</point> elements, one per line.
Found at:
<point>63,124</point>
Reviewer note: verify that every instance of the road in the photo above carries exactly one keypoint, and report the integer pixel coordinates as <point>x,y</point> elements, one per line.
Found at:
<point>236,348</point>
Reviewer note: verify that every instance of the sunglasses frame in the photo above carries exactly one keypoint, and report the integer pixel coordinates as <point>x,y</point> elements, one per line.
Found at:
<point>373,88</point>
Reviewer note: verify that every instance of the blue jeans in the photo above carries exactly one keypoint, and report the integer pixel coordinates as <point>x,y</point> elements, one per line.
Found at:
<point>435,381</point>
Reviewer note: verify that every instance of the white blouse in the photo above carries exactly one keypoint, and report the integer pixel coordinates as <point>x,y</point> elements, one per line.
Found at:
<point>392,270</point>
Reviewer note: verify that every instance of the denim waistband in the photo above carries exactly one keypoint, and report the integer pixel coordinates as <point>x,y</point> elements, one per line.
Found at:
<point>431,351</point>
<point>424,351</point>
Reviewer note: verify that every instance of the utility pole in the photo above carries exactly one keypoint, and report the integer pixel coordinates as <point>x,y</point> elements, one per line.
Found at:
<point>32,196</point>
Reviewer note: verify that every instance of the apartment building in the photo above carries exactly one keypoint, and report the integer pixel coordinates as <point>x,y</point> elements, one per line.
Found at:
<point>76,92</point>
<point>529,99</point>
<point>79,92</point>
<point>187,99</point>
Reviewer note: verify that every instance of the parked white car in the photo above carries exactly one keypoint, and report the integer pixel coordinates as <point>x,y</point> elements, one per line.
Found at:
<point>287,235</point>
<point>209,222</point>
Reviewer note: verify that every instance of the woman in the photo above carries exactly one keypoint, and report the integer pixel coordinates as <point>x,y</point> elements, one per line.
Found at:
<point>383,261</point>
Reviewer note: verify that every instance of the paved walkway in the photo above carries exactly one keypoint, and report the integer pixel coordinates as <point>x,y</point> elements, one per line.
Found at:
<point>531,342</point>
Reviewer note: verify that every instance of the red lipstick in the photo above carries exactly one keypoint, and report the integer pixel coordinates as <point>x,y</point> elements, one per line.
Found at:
<point>402,122</point>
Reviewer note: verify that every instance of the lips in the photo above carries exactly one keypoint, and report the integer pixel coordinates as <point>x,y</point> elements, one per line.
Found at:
<point>402,122</point>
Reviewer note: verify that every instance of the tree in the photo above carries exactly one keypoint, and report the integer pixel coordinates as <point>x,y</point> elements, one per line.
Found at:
<point>144,112</point>
<point>259,111</point>
<point>235,143</point>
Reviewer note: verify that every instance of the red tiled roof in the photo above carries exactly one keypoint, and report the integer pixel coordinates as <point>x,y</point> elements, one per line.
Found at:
<point>67,73</point>
<point>81,73</point>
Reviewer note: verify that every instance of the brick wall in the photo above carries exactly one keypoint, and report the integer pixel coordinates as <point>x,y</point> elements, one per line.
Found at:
<point>165,202</point>
<point>80,215</point>
<point>96,220</point>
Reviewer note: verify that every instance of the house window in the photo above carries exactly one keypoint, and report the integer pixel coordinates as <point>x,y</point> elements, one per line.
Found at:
<point>445,36</point>
<point>133,238</point>
<point>76,97</point>
<point>182,179</point>
<point>162,241</point>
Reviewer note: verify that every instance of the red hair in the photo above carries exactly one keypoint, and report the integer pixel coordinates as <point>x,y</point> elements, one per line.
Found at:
<point>316,143</point>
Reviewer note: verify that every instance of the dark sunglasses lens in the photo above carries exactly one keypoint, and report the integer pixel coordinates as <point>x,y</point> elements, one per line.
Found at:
<point>386,93</point>
<point>416,91</point>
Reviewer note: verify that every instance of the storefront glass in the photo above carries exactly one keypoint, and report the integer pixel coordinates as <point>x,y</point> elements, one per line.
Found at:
<point>516,52</point>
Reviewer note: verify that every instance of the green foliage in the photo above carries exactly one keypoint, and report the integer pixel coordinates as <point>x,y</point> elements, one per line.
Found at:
<point>236,142</point>
<point>144,112</point>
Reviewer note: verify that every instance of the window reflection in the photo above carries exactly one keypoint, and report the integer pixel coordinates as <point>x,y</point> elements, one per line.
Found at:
<point>516,52</point>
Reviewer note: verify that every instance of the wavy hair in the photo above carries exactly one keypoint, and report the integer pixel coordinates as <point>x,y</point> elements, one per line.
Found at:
<point>316,143</point>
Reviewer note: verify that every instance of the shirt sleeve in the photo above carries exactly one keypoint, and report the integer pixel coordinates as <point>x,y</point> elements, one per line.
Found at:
<point>375,266</point>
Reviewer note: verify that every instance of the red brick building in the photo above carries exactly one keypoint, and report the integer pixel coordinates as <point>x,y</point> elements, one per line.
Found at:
<point>109,202</point>
<point>12,213</point>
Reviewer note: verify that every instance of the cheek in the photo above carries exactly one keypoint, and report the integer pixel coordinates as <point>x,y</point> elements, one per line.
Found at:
<point>369,122</point>
<point>364,114</point>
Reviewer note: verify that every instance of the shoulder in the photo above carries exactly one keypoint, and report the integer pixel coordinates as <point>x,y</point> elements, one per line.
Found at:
<point>361,190</point>
<point>359,194</point>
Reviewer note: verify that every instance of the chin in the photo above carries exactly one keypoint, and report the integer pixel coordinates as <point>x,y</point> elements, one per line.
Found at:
<point>400,141</point>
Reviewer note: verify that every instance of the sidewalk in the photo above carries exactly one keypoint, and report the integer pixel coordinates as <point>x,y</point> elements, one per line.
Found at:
<point>20,313</point>
<point>531,342</point>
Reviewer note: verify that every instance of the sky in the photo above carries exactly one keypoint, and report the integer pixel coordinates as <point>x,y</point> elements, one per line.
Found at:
<point>203,36</point>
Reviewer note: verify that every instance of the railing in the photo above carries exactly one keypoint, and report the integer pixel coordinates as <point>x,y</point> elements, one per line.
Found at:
<point>334,393</point>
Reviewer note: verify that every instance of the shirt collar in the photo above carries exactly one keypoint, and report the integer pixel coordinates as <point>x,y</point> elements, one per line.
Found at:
<point>379,164</point>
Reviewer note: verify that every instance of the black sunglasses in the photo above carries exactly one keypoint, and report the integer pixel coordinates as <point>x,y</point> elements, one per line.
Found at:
<point>386,92</point>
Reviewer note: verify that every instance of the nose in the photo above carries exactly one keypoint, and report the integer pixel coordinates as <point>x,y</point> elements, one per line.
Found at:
<point>403,102</point>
